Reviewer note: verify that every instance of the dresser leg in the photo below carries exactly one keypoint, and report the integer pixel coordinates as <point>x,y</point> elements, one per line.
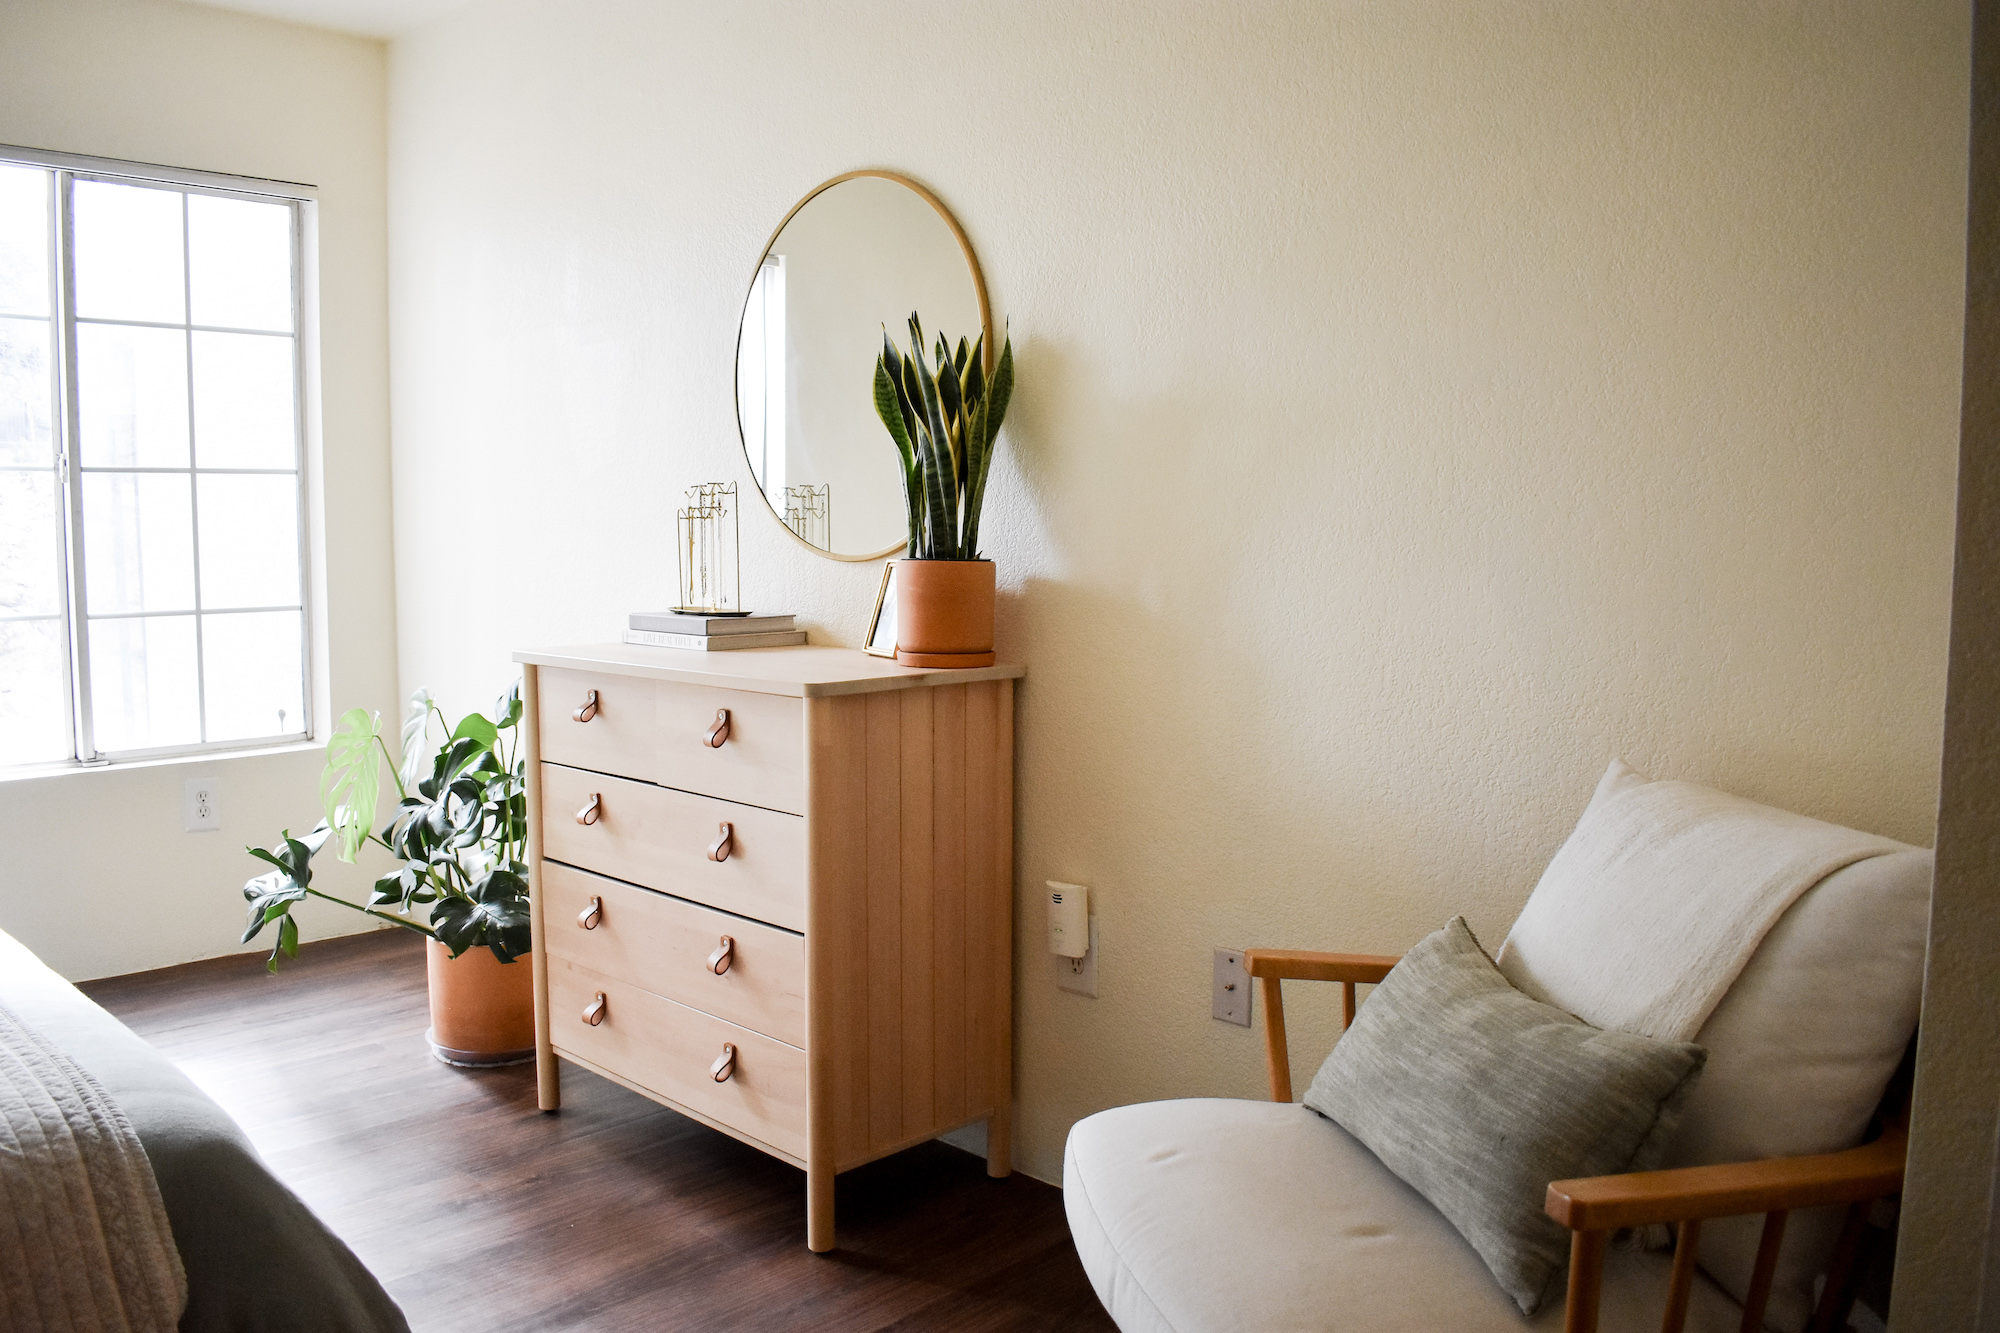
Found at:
<point>548,1081</point>
<point>1000,1143</point>
<point>819,1210</point>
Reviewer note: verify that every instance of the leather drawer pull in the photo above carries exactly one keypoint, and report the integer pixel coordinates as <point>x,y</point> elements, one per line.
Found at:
<point>591,915</point>
<point>720,848</point>
<point>595,1013</point>
<point>725,1064</point>
<point>718,733</point>
<point>593,811</point>
<point>718,962</point>
<point>589,709</point>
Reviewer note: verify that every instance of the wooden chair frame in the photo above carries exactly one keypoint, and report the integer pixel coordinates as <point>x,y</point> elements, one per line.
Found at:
<point>1595,1207</point>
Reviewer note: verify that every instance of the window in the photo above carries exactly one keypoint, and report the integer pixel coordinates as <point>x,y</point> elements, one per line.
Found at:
<point>761,378</point>
<point>152,566</point>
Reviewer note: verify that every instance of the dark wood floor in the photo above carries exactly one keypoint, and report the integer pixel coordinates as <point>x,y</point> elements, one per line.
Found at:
<point>478,1212</point>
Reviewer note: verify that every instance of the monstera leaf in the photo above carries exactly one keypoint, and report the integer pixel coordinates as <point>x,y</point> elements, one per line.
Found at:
<point>348,787</point>
<point>493,912</point>
<point>272,894</point>
<point>415,718</point>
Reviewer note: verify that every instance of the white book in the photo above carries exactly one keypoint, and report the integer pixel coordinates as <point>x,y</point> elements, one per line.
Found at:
<point>715,643</point>
<point>675,622</point>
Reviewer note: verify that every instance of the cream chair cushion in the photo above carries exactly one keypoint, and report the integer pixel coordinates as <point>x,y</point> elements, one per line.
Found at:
<point>1207,1215</point>
<point>1800,1049</point>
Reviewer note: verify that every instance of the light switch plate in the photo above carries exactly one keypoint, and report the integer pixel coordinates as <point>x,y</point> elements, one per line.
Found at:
<point>201,806</point>
<point>1231,1000</point>
<point>1079,974</point>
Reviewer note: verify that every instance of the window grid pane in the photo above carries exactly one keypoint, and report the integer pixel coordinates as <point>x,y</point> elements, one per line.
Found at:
<point>192,591</point>
<point>35,715</point>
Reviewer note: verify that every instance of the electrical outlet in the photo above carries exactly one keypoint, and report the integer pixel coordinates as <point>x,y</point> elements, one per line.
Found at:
<point>1079,974</point>
<point>1230,1002</point>
<point>201,806</point>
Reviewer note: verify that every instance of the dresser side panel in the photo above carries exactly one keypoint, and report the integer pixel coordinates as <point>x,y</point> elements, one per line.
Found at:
<point>885,926</point>
<point>948,899</point>
<point>908,935</point>
<point>1000,1129</point>
<point>918,913</point>
<point>982,886</point>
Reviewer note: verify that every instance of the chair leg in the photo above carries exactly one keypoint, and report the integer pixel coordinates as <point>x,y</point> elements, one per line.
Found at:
<point>1586,1280</point>
<point>1686,1246</point>
<point>1834,1302</point>
<point>1759,1294</point>
<point>1276,1056</point>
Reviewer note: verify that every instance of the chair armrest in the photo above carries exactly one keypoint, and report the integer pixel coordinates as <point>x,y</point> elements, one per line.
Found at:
<point>1778,1184</point>
<point>1306,965</point>
<point>1271,967</point>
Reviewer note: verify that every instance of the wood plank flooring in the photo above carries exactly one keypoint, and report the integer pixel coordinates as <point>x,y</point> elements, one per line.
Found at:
<point>478,1212</point>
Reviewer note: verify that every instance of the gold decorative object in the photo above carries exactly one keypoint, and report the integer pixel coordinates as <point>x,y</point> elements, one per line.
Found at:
<point>809,512</point>
<point>708,551</point>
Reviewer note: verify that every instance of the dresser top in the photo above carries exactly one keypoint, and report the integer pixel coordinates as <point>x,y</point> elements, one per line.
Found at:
<point>807,671</point>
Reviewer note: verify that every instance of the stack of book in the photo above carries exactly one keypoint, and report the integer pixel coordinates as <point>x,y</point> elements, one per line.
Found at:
<point>676,629</point>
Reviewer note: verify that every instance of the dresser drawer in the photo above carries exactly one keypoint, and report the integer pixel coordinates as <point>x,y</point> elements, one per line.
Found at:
<point>617,735</point>
<point>762,758</point>
<point>659,732</point>
<point>660,838</point>
<point>669,1049</point>
<point>663,945</point>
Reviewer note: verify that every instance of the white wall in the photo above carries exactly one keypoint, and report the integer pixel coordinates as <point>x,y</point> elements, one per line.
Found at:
<point>97,876</point>
<point>1419,405</point>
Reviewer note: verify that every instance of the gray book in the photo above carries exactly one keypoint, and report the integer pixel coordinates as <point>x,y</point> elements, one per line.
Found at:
<point>675,622</point>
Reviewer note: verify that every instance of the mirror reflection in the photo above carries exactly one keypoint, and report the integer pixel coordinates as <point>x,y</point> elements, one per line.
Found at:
<point>858,255</point>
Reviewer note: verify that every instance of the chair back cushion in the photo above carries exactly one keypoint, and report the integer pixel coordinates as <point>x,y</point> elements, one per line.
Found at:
<point>1656,902</point>
<point>1800,1048</point>
<point>1478,1097</point>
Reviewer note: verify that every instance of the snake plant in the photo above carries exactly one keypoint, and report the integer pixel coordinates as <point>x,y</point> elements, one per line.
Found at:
<point>944,423</point>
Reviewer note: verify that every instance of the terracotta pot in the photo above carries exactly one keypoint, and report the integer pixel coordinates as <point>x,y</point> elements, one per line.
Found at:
<point>482,1010</point>
<point>944,613</point>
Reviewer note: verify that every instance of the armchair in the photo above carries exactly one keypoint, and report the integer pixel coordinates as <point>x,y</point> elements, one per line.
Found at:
<point>1595,1208</point>
<point>1211,1214</point>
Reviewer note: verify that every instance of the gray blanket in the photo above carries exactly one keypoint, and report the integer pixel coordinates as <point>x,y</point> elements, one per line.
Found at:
<point>85,1246</point>
<point>257,1260</point>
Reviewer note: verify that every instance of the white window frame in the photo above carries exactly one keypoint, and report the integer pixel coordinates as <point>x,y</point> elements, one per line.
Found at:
<point>69,167</point>
<point>767,300</point>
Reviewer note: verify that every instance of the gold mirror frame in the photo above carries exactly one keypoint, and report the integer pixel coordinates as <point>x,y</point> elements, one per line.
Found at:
<point>985,328</point>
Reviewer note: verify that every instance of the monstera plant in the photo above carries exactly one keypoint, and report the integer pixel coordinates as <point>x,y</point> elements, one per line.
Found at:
<point>944,423</point>
<point>459,830</point>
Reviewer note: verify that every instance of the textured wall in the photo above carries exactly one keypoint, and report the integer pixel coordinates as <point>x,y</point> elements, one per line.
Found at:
<point>1948,1226</point>
<point>97,876</point>
<point>1419,404</point>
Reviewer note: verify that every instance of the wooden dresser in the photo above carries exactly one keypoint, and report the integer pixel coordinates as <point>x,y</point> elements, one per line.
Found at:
<point>773,889</point>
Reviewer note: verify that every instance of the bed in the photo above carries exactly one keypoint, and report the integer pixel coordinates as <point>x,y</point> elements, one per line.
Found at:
<point>255,1256</point>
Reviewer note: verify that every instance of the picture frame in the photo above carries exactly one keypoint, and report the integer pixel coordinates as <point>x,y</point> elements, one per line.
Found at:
<point>881,640</point>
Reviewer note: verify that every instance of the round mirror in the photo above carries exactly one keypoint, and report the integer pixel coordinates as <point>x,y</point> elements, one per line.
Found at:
<point>854,257</point>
